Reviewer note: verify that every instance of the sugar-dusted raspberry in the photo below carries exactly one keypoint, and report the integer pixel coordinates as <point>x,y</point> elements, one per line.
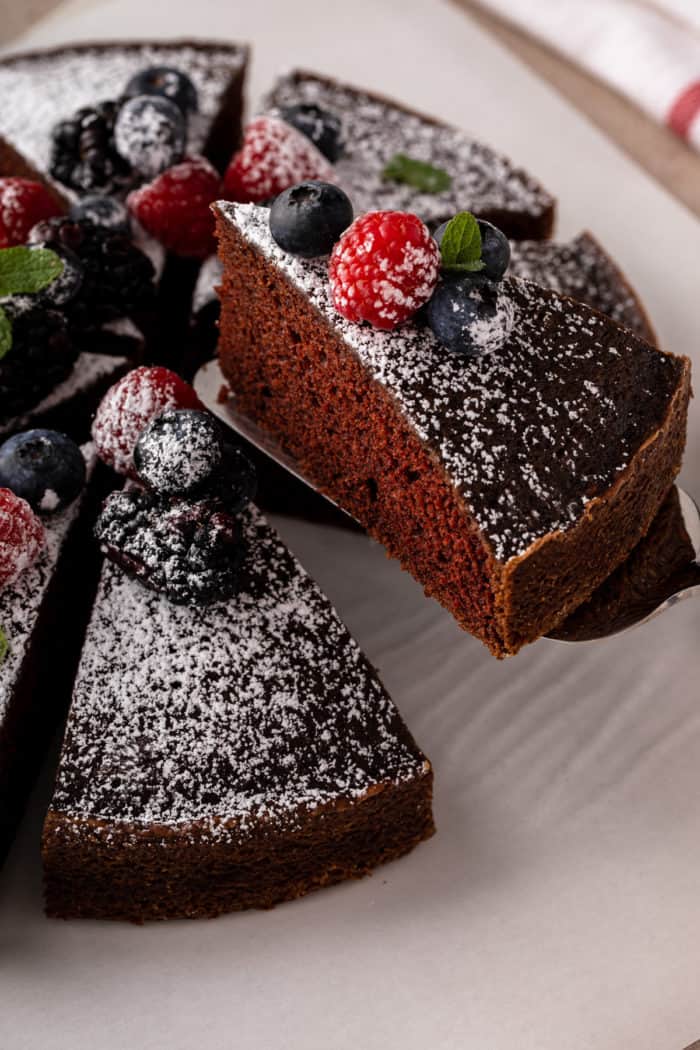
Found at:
<point>174,207</point>
<point>274,156</point>
<point>383,268</point>
<point>23,203</point>
<point>21,536</point>
<point>130,405</point>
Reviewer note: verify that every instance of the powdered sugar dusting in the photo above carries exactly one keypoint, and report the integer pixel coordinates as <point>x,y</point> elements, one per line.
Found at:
<point>518,431</point>
<point>375,130</point>
<point>241,711</point>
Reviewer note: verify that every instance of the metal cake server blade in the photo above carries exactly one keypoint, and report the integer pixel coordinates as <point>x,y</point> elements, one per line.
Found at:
<point>663,570</point>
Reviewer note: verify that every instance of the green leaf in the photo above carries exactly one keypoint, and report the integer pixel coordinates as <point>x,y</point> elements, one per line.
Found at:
<point>27,270</point>
<point>4,645</point>
<point>5,333</point>
<point>416,173</point>
<point>460,246</point>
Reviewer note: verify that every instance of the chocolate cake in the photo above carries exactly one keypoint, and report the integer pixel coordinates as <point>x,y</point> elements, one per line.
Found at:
<point>376,129</point>
<point>42,616</point>
<point>511,484</point>
<point>226,756</point>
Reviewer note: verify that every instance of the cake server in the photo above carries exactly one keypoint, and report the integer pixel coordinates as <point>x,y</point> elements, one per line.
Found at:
<point>662,571</point>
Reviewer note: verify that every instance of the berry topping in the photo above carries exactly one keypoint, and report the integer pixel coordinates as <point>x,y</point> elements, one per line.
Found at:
<point>44,467</point>
<point>23,203</point>
<point>166,82</point>
<point>21,536</point>
<point>174,208</point>
<point>102,211</point>
<point>323,128</point>
<point>117,276</point>
<point>191,552</point>
<point>180,451</point>
<point>41,355</point>
<point>129,406</point>
<point>64,288</point>
<point>274,156</point>
<point>470,315</point>
<point>150,132</point>
<point>383,268</point>
<point>495,249</point>
<point>83,153</point>
<point>307,219</point>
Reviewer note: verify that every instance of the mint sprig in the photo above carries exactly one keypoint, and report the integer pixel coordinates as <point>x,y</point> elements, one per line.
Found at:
<point>416,173</point>
<point>24,271</point>
<point>4,645</point>
<point>460,246</point>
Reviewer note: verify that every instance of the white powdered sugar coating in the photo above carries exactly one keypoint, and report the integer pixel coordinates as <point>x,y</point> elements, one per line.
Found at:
<point>528,434</point>
<point>52,86</point>
<point>228,715</point>
<point>374,130</point>
<point>208,280</point>
<point>89,371</point>
<point>20,603</point>
<point>146,134</point>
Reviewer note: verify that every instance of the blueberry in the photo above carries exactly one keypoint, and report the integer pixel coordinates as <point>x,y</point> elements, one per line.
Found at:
<point>495,249</point>
<point>180,453</point>
<point>307,219</point>
<point>150,133</point>
<point>44,467</point>
<point>166,82</point>
<point>64,288</point>
<point>470,316</point>
<point>323,128</point>
<point>102,211</point>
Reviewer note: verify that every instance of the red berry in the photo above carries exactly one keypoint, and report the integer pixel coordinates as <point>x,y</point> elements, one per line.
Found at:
<point>128,407</point>
<point>21,536</point>
<point>174,207</point>
<point>384,268</point>
<point>273,157</point>
<point>23,203</point>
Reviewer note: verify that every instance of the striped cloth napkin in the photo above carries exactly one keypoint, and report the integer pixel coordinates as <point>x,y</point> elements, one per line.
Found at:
<point>648,50</point>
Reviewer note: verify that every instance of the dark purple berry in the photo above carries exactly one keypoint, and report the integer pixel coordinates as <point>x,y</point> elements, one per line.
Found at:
<point>42,354</point>
<point>150,133</point>
<point>469,316</point>
<point>166,82</point>
<point>307,219</point>
<point>102,211</point>
<point>83,153</point>
<point>323,128</point>
<point>495,249</point>
<point>180,452</point>
<point>44,467</point>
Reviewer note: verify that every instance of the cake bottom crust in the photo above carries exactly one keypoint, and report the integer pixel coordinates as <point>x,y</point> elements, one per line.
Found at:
<point>100,870</point>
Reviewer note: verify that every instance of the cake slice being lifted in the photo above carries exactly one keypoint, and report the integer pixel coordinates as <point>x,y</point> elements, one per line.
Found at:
<point>228,754</point>
<point>374,130</point>
<point>510,484</point>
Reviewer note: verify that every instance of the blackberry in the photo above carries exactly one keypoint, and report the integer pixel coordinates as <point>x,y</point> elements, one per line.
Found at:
<point>41,356</point>
<point>83,153</point>
<point>66,287</point>
<point>323,128</point>
<point>117,276</point>
<point>190,552</point>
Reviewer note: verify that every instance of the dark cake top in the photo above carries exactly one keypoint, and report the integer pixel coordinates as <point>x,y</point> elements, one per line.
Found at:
<point>46,87</point>
<point>238,711</point>
<point>580,268</point>
<point>545,420</point>
<point>375,130</point>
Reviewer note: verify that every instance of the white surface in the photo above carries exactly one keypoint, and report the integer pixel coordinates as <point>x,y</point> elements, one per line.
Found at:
<point>558,906</point>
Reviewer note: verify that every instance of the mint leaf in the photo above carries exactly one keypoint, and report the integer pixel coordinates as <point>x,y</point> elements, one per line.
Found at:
<point>27,270</point>
<point>416,173</point>
<point>5,333</point>
<point>4,645</point>
<point>460,246</point>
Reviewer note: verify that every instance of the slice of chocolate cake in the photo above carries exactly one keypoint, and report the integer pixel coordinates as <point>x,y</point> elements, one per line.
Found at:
<point>42,619</point>
<point>375,130</point>
<point>226,756</point>
<point>582,269</point>
<point>50,85</point>
<point>510,483</point>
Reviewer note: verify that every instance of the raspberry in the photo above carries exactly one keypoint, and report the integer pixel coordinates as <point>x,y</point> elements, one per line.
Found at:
<point>273,157</point>
<point>22,204</point>
<point>129,406</point>
<point>174,207</point>
<point>383,268</point>
<point>21,536</point>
